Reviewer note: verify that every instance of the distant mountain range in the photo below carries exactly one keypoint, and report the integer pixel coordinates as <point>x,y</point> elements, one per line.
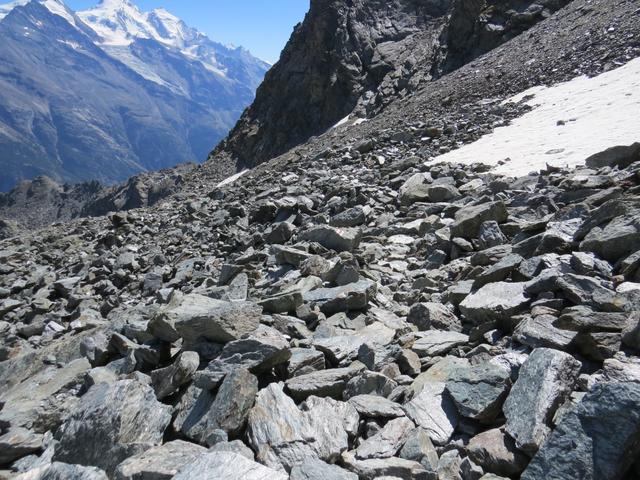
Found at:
<point>108,92</point>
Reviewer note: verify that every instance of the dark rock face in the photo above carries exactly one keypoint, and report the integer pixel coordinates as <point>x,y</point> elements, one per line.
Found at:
<point>363,54</point>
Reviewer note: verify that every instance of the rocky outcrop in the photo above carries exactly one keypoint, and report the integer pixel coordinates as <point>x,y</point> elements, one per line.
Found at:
<point>361,55</point>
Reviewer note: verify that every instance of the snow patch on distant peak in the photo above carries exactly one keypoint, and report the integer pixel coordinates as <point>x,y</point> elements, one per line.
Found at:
<point>6,8</point>
<point>569,122</point>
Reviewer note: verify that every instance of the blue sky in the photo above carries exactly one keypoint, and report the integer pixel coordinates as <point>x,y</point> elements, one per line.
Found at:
<point>262,26</point>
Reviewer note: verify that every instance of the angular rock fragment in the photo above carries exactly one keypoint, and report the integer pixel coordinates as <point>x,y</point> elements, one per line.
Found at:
<point>226,411</point>
<point>305,360</point>
<point>468,219</point>
<point>496,452</point>
<point>419,448</point>
<point>227,465</point>
<point>387,442</point>
<point>324,383</point>
<point>393,467</point>
<point>18,442</point>
<point>313,469</point>
<point>545,381</point>
<point>598,439</point>
<point>338,239</point>
<point>159,463</point>
<point>539,332</point>
<point>430,315</point>
<point>110,424</point>
<point>60,471</point>
<point>436,342</point>
<point>167,381</point>
<point>192,317</point>
<point>478,391</point>
<point>433,410</point>
<point>415,189</point>
<point>374,406</point>
<point>278,431</point>
<point>495,302</point>
<point>350,297</point>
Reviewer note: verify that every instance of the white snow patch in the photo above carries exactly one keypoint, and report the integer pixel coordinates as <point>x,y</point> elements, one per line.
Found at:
<point>341,122</point>
<point>231,179</point>
<point>57,7</point>
<point>597,113</point>
<point>74,45</point>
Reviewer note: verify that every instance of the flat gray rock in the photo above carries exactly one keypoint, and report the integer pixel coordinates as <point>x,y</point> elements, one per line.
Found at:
<point>374,406</point>
<point>495,451</point>
<point>433,410</point>
<point>495,302</point>
<point>63,471</point>
<point>159,463</point>
<point>350,297</point>
<point>227,466</point>
<point>18,442</point>
<point>374,468</point>
<point>333,238</point>
<point>436,342</point>
<point>323,383</point>
<point>539,332</point>
<point>545,381</point>
<point>193,316</point>
<point>313,469</point>
<point>469,219</point>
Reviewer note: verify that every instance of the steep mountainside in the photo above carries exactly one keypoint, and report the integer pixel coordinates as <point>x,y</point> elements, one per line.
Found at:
<point>75,107</point>
<point>359,307</point>
<point>361,55</point>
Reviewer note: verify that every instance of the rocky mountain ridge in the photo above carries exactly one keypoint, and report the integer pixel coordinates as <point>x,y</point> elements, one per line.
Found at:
<point>350,309</point>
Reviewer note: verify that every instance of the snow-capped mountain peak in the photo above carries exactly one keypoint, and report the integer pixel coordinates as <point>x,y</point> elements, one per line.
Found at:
<point>56,7</point>
<point>118,22</point>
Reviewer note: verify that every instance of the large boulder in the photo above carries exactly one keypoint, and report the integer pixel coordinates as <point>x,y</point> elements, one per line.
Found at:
<point>545,381</point>
<point>620,156</point>
<point>415,189</point>
<point>469,219</point>
<point>193,316</point>
<point>112,423</point>
<point>598,439</point>
<point>333,238</point>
